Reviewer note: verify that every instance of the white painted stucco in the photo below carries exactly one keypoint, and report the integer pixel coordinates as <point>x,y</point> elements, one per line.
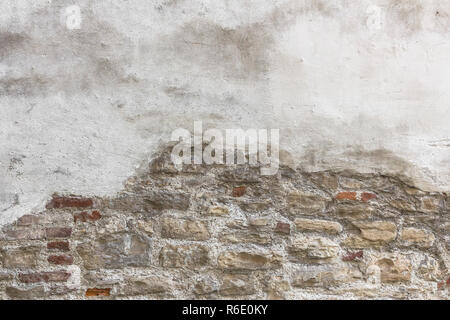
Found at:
<point>361,85</point>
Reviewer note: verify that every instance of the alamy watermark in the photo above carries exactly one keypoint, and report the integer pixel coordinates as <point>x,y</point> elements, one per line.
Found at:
<point>227,147</point>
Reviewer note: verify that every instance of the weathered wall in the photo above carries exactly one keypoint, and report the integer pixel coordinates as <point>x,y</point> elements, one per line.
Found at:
<point>355,87</point>
<point>221,232</point>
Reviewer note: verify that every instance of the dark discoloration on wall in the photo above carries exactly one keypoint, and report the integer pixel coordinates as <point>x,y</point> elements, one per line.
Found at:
<point>8,200</point>
<point>224,52</point>
<point>382,156</point>
<point>97,55</point>
<point>358,157</point>
<point>55,59</point>
<point>405,16</point>
<point>200,65</point>
<point>286,14</point>
<point>167,4</point>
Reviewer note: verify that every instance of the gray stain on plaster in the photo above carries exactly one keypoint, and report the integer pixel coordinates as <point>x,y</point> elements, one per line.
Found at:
<point>52,59</point>
<point>406,15</point>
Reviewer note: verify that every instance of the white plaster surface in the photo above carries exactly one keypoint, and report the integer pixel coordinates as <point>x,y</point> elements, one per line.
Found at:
<point>362,85</point>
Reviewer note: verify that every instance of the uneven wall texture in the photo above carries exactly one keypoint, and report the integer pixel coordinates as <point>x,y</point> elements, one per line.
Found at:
<point>357,85</point>
<point>227,232</point>
<point>358,89</point>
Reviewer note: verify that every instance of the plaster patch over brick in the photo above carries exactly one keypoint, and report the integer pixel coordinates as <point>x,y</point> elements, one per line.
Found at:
<point>144,245</point>
<point>82,108</point>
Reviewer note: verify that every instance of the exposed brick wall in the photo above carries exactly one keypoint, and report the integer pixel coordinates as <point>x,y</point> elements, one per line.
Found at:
<point>227,232</point>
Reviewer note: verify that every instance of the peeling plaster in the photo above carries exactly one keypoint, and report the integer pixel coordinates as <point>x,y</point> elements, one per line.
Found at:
<point>81,109</point>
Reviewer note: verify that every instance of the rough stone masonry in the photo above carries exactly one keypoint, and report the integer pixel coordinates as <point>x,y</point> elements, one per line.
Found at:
<point>90,90</point>
<point>221,232</point>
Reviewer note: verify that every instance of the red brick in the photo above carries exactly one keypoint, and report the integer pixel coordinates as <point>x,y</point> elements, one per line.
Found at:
<point>367,196</point>
<point>57,232</point>
<point>58,245</point>
<point>60,260</point>
<point>56,276</point>
<point>70,202</point>
<point>448,281</point>
<point>95,292</point>
<point>85,216</point>
<point>283,228</point>
<point>346,196</point>
<point>352,256</point>
<point>238,191</point>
